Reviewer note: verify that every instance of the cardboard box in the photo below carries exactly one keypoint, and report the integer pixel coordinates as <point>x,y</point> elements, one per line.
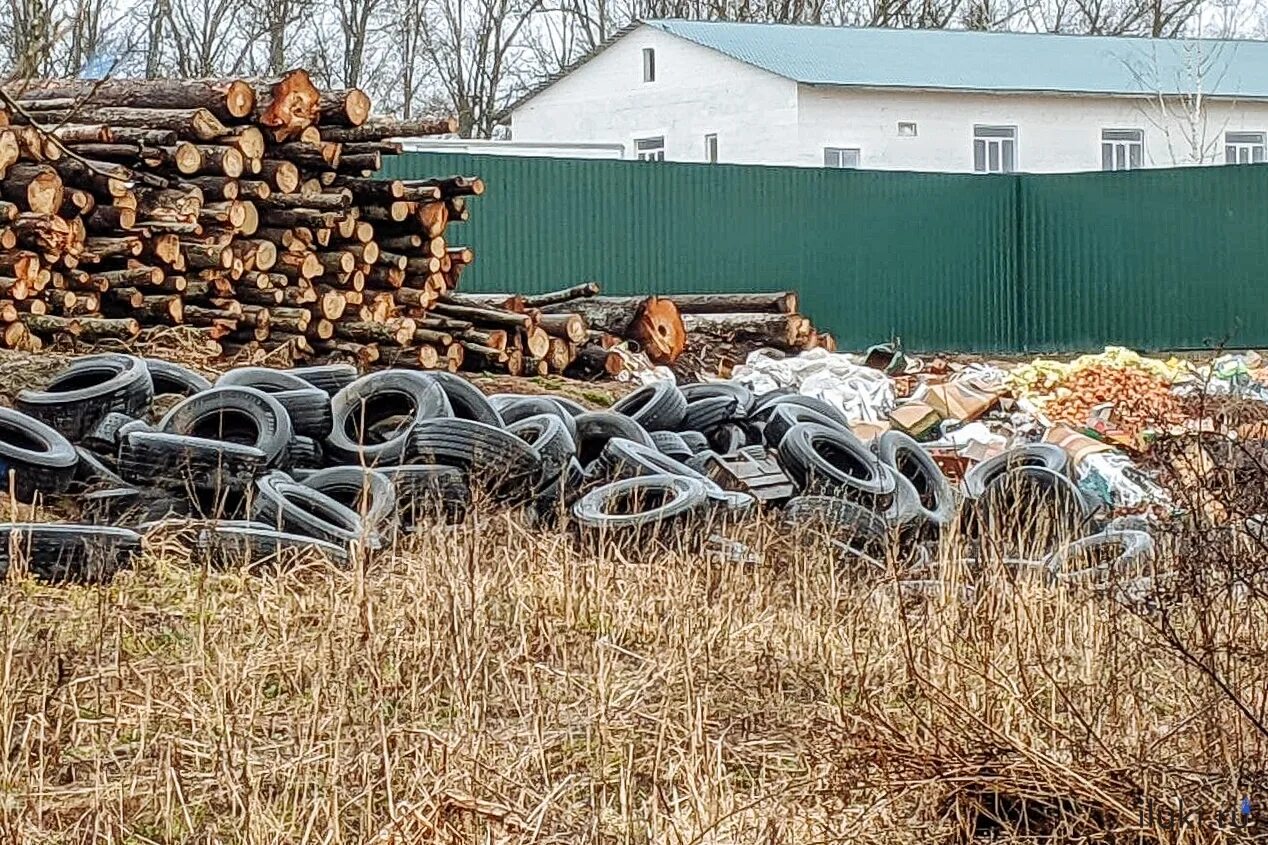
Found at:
<point>869,431</point>
<point>959,401</point>
<point>1077,446</point>
<point>915,418</point>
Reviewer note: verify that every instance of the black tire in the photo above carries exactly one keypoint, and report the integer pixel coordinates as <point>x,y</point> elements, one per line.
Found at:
<point>639,506</point>
<point>62,552</point>
<point>767,405</point>
<point>516,408</point>
<point>1030,503</point>
<point>242,415</point>
<point>374,416</point>
<point>328,378</point>
<point>552,500</point>
<point>222,545</point>
<point>731,437</point>
<point>170,378</point>
<point>671,445</point>
<point>659,406</point>
<point>366,492</point>
<point>695,441</point>
<point>625,459</point>
<point>1110,554</point>
<point>934,498</point>
<point>596,428</point>
<point>840,520</point>
<point>296,508</point>
<point>175,462</point>
<point>1046,455</point>
<point>426,492</point>
<point>571,406</point>
<point>784,415</point>
<point>708,414</point>
<point>104,438</point>
<point>92,471</point>
<point>80,395</point>
<point>548,434</point>
<point>818,458</point>
<point>304,453</point>
<point>109,505</point>
<point>129,427</point>
<point>34,457</point>
<point>493,458</point>
<point>307,406</point>
<point>744,399</point>
<point>467,401</point>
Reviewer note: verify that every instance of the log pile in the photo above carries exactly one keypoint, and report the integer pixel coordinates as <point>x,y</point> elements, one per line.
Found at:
<point>248,209</point>
<point>723,328</point>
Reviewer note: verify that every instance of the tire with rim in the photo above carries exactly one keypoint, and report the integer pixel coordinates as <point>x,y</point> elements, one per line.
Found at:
<point>328,378</point>
<point>296,508</point>
<point>366,492</point>
<point>374,416</point>
<point>176,461</point>
<point>596,428</point>
<point>35,457</point>
<point>641,506</point>
<point>76,399</point>
<point>64,552</point>
<point>429,491</point>
<point>817,457</point>
<point>1046,455</point>
<point>173,379</point>
<point>935,500</point>
<point>307,406</point>
<point>242,415</point>
<point>659,406</point>
<point>493,458</point>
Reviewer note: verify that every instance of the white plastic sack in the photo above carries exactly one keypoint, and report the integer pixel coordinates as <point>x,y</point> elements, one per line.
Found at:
<point>861,393</point>
<point>1112,479</point>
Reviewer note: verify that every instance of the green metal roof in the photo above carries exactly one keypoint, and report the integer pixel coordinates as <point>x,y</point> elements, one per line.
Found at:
<point>988,61</point>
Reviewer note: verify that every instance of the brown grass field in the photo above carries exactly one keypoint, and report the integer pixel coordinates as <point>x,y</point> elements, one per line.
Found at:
<point>492,683</point>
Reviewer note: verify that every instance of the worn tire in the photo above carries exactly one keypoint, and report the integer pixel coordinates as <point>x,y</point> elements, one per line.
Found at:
<point>516,408</point>
<point>104,438</point>
<point>242,415</point>
<point>935,500</point>
<point>493,458</point>
<point>744,398</point>
<point>91,471</point>
<point>60,552</point>
<point>366,492</point>
<point>173,379</point>
<point>639,506</point>
<point>176,461</point>
<point>250,544</point>
<point>307,406</point>
<point>552,500</point>
<point>296,508</point>
<point>548,434</point>
<point>659,406</point>
<point>839,520</point>
<point>304,453</point>
<point>784,415</point>
<point>328,378</point>
<point>39,459</point>
<point>626,459</point>
<point>89,388</point>
<point>708,414</point>
<point>818,457</point>
<point>596,428</point>
<point>1012,500</point>
<point>768,403</point>
<point>1120,550</point>
<point>425,492</point>
<point>467,401</point>
<point>375,415</point>
<point>1046,455</point>
<point>695,441</point>
<point>671,445</point>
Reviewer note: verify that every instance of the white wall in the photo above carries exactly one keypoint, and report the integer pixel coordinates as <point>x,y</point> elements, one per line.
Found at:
<point>1054,133</point>
<point>696,92</point>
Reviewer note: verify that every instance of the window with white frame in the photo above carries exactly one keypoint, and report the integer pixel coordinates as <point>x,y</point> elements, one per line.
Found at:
<point>711,149</point>
<point>841,157</point>
<point>1243,147</point>
<point>994,149</point>
<point>1122,149</point>
<point>906,129</point>
<point>650,149</point>
<point>649,64</point>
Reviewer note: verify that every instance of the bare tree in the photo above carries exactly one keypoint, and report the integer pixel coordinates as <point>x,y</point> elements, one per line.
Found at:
<point>202,36</point>
<point>1179,106</point>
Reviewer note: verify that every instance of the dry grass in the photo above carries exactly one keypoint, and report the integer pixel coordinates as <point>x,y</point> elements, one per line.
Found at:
<point>494,683</point>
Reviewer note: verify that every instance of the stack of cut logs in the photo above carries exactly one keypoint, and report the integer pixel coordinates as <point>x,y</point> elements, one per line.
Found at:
<point>249,210</point>
<point>723,328</point>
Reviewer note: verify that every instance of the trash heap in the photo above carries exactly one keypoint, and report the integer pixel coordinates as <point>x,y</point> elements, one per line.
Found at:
<point>266,462</point>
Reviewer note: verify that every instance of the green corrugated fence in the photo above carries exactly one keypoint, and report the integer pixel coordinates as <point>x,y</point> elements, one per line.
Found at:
<point>1162,259</point>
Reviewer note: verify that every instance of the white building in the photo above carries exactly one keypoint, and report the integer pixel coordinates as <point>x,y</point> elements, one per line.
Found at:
<point>901,99</point>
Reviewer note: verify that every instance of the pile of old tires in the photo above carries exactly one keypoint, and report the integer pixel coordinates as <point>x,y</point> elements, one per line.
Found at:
<point>321,458</point>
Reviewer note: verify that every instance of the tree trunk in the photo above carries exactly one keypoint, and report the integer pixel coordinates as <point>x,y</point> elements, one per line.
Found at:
<point>228,99</point>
